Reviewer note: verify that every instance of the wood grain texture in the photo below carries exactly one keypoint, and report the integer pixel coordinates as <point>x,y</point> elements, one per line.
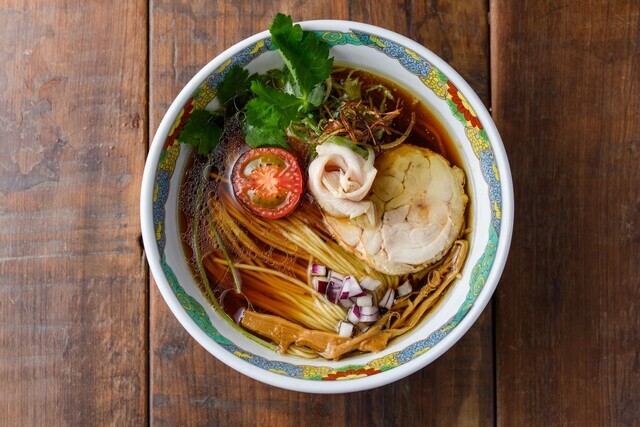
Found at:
<point>72,276</point>
<point>566,97</point>
<point>190,386</point>
<point>565,92</point>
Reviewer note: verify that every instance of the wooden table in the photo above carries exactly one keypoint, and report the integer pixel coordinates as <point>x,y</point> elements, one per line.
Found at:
<point>85,337</point>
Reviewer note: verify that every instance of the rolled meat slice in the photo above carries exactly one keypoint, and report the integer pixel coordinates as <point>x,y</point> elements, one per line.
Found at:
<point>340,180</point>
<point>419,210</point>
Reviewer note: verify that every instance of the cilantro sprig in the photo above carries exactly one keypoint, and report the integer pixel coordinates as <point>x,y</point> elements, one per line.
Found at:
<point>236,80</point>
<point>271,102</point>
<point>308,64</point>
<point>268,115</point>
<point>304,54</point>
<point>202,130</point>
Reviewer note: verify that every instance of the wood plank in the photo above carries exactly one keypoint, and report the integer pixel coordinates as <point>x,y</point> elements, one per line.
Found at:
<point>566,97</point>
<point>72,276</point>
<point>188,384</point>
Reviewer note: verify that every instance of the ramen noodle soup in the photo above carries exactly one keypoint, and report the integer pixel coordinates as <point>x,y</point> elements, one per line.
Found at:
<point>339,241</point>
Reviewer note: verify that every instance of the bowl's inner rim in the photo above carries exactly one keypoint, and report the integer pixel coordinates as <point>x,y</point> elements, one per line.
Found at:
<point>211,80</point>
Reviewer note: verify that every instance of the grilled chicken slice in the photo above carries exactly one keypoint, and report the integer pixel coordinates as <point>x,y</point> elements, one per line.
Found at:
<point>419,203</point>
<point>340,180</point>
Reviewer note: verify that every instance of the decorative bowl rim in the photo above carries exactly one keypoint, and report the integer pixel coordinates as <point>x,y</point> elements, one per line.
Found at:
<point>400,371</point>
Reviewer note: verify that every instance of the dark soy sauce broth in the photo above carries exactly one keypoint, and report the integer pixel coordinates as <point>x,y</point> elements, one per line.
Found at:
<point>427,132</point>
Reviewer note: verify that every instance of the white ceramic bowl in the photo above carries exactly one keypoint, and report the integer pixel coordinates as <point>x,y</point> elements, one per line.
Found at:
<point>460,110</point>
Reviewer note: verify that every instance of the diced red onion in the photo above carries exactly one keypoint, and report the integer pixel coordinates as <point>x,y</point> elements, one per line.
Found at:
<point>334,275</point>
<point>346,302</point>
<point>369,318</point>
<point>368,311</point>
<point>351,288</point>
<point>353,315</point>
<point>365,300</point>
<point>404,289</point>
<point>317,270</point>
<point>334,291</point>
<point>387,299</point>
<point>370,283</point>
<point>320,284</point>
<point>345,329</point>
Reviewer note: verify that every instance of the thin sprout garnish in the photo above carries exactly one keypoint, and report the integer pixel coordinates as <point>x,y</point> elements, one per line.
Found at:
<point>237,281</point>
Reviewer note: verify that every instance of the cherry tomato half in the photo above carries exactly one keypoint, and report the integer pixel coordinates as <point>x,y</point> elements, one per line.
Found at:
<point>268,182</point>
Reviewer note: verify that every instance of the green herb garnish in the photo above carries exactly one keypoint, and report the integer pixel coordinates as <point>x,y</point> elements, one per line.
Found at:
<point>202,130</point>
<point>236,86</point>
<point>304,54</point>
<point>236,80</point>
<point>268,114</point>
<point>308,64</point>
<point>270,102</point>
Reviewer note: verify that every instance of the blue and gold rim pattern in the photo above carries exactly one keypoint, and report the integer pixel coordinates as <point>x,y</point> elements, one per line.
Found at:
<point>444,89</point>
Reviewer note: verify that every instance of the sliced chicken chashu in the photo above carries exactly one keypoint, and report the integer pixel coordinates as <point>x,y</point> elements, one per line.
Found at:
<point>340,180</point>
<point>419,204</point>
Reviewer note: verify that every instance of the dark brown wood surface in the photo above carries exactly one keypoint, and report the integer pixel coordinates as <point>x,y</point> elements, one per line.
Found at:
<point>85,337</point>
<point>566,97</point>
<point>73,293</point>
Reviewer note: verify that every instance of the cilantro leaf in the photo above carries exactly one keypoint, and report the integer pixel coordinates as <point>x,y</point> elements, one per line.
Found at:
<point>284,96</point>
<point>285,105</point>
<point>265,137</point>
<point>316,96</point>
<point>235,81</point>
<point>304,54</point>
<point>202,130</point>
<point>276,77</point>
<point>268,115</point>
<point>261,113</point>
